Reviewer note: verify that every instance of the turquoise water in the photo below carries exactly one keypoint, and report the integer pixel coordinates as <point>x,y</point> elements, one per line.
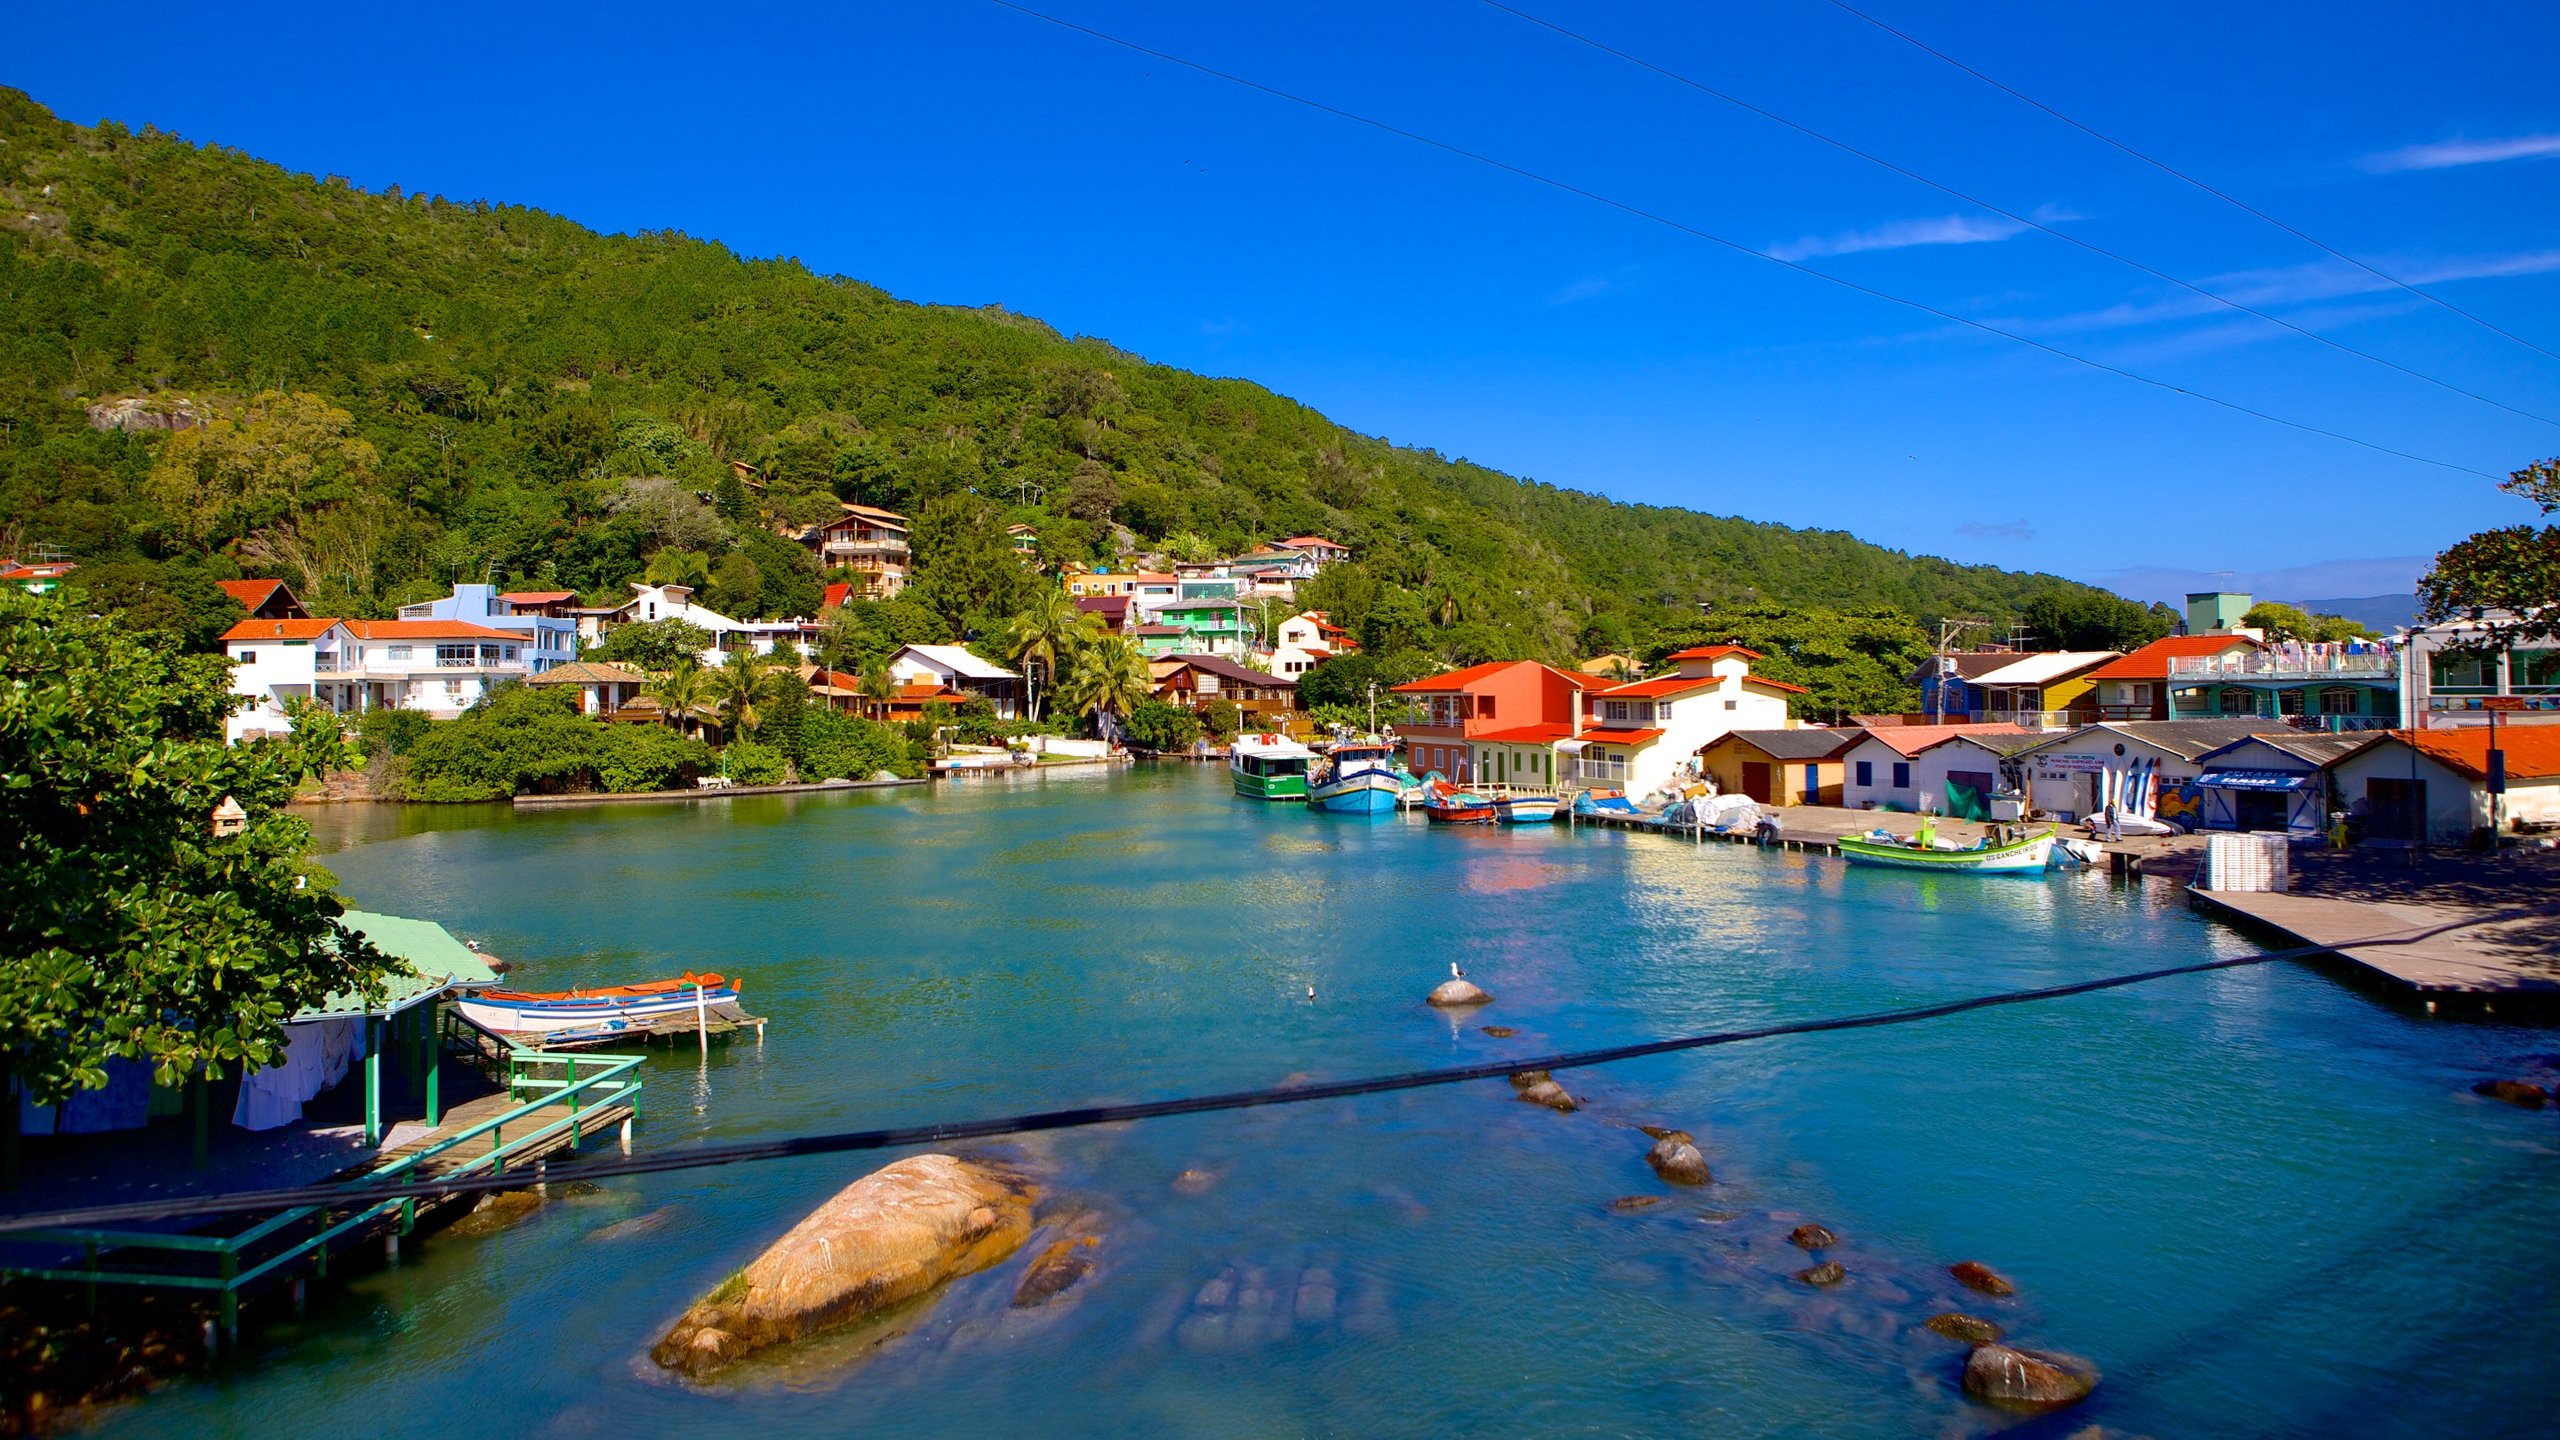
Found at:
<point>2261,1203</point>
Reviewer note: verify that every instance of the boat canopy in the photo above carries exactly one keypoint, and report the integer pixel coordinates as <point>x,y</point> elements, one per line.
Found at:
<point>2255,779</point>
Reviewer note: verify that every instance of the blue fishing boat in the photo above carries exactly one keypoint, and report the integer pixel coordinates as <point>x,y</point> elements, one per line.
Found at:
<point>1358,778</point>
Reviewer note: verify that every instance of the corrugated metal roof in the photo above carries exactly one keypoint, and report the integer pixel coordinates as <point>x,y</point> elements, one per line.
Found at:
<point>2044,668</point>
<point>1798,745</point>
<point>442,963</point>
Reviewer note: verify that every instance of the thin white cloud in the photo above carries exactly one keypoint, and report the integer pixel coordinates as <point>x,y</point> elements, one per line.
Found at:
<point>1900,235</point>
<point>1589,287</point>
<point>2447,154</point>
<point>2288,286</point>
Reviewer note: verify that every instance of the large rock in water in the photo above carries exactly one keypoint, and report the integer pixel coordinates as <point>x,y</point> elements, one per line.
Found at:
<point>1676,1160</point>
<point>1456,994</point>
<point>890,1236</point>
<point>1978,1276</point>
<point>2027,1379</point>
<point>2514,1092</point>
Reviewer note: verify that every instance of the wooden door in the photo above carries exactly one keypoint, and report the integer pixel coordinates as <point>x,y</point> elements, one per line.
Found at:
<point>2395,809</point>
<point>1755,780</point>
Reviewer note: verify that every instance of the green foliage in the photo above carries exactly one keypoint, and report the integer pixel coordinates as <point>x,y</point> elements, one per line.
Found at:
<point>1850,662</point>
<point>747,763</point>
<point>1344,680</point>
<point>2089,620</point>
<point>382,732</point>
<point>131,931</point>
<point>835,745</point>
<point>484,390</point>
<point>531,740</point>
<point>652,645</point>
<point>626,759</point>
<point>2506,581</point>
<point>1222,718</point>
<point>1338,717</point>
<point>1157,725</point>
<point>2279,621</point>
<point>178,598</point>
<point>977,723</point>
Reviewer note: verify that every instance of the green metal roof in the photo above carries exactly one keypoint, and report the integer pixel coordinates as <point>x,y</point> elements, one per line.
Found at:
<point>441,963</point>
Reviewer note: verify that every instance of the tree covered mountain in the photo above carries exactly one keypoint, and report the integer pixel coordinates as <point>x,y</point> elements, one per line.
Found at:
<point>404,390</point>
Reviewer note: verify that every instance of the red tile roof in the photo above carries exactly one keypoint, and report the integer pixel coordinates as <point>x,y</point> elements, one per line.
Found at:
<point>1909,740</point>
<point>1715,652</point>
<point>1775,684</point>
<point>250,593</point>
<point>1528,735</point>
<point>1667,685</point>
<point>1621,737</point>
<point>423,630</point>
<point>835,595</point>
<point>538,597</point>
<point>2151,662</point>
<point>279,630</point>
<point>2533,750</point>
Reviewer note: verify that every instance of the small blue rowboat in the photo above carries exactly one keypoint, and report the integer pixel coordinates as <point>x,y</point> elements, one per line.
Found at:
<point>1525,809</point>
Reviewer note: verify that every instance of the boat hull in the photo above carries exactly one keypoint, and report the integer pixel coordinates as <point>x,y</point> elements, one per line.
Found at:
<point>1463,810</point>
<point>1525,809</point>
<point>2024,857</point>
<point>1374,792</point>
<point>1270,787</point>
<point>541,1018</point>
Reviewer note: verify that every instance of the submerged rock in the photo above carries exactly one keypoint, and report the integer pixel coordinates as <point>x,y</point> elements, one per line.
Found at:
<point>1549,1094</point>
<point>1056,1270</point>
<point>1629,1204</point>
<point>1657,1132</point>
<point>1500,1032</point>
<point>1678,1161</point>
<point>1456,994</point>
<point>2514,1092</point>
<point>2027,1379</point>
<point>1523,1079</point>
<point>1829,1272</point>
<point>888,1237</point>
<point>1812,1237</point>
<point>1977,1276</point>
<point>1971,1329</point>
<point>1195,1181</point>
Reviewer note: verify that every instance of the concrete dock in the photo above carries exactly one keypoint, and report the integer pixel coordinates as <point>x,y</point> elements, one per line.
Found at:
<point>2434,951</point>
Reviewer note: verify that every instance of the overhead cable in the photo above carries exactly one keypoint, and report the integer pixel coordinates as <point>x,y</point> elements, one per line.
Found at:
<point>343,1197</point>
<point>2028,222</point>
<point>2175,173</point>
<point>1665,221</point>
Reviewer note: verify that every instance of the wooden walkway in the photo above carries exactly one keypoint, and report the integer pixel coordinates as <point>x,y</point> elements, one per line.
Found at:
<point>597,1121</point>
<point>2515,957</point>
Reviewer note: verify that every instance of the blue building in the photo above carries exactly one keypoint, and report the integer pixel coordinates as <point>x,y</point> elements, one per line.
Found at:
<point>540,616</point>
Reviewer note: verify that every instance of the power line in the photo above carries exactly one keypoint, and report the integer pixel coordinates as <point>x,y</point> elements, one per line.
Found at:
<point>2025,221</point>
<point>353,1197</point>
<point>2172,171</point>
<point>1736,246</point>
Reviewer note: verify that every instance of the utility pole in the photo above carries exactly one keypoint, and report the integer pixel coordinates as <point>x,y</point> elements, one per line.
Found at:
<point>1949,629</point>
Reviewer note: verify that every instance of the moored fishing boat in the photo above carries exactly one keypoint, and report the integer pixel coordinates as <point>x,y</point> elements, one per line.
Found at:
<point>1269,767</point>
<point>556,1019</point>
<point>1517,809</point>
<point>1446,804</point>
<point>1357,778</point>
<point>2026,856</point>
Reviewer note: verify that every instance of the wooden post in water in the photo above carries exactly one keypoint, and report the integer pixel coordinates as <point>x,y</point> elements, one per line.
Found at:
<point>702,1018</point>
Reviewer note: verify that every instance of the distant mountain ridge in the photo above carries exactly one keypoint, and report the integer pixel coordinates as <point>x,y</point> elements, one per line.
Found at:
<point>494,375</point>
<point>2381,614</point>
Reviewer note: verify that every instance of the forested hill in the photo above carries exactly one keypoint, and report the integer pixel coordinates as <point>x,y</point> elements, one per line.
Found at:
<point>414,389</point>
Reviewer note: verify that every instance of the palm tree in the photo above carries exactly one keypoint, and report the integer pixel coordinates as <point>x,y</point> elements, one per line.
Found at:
<point>1046,632</point>
<point>875,685</point>
<point>679,693</point>
<point>1621,671</point>
<point>743,688</point>
<point>1111,677</point>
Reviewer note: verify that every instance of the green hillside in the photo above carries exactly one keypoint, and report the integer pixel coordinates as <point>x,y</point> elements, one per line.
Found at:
<point>415,389</point>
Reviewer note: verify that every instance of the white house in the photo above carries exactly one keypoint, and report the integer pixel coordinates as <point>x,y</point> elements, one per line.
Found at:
<point>675,602</point>
<point>1960,774</point>
<point>2069,775</point>
<point>954,668</point>
<point>539,618</point>
<point>1882,770</point>
<point>2442,683</point>
<point>441,667</point>
<point>1643,736</point>
<point>1304,641</point>
<point>2443,776</point>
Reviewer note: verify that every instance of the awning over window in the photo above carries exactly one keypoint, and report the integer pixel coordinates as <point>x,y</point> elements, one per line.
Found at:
<point>2255,779</point>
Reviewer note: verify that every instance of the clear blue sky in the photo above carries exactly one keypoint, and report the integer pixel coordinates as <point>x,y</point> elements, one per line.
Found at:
<point>960,152</point>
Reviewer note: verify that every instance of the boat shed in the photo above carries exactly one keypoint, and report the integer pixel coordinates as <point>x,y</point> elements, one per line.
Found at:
<point>1780,767</point>
<point>2274,781</point>
<point>2068,774</point>
<point>323,1040</point>
<point>2442,777</point>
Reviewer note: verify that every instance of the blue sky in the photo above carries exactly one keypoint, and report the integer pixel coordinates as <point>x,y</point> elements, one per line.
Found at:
<point>961,152</point>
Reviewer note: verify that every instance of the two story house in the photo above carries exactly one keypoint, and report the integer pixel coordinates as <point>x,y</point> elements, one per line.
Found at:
<point>1645,735</point>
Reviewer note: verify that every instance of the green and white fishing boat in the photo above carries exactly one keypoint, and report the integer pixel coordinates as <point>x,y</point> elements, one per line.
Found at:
<point>1269,767</point>
<point>2027,856</point>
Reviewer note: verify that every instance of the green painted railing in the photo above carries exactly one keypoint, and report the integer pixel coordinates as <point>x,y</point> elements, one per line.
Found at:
<point>538,1082</point>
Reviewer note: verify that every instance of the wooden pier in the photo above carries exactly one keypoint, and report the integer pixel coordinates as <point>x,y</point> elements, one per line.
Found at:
<point>2432,952</point>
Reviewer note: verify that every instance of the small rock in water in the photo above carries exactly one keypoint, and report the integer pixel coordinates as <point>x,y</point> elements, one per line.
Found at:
<point>1657,1132</point>
<point>1523,1079</point>
<point>1457,994</point>
<point>1058,1268</point>
<point>1629,1204</point>
<point>1549,1094</point>
<point>1500,1032</point>
<point>1971,1329</point>
<point>1316,1298</point>
<point>1678,1161</point>
<point>2514,1092</point>
<point>1195,1181</point>
<point>2027,1379</point>
<point>1812,1237</point>
<point>1829,1272</point>
<point>1978,1276</point>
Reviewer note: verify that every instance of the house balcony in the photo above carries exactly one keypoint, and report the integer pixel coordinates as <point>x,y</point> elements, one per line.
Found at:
<point>2366,668</point>
<point>884,547</point>
<point>2058,719</point>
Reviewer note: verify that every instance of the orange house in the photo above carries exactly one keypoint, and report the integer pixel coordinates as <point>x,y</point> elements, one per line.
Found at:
<point>1447,711</point>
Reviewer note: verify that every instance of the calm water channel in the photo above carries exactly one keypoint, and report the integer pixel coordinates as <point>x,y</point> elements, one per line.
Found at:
<point>2262,1203</point>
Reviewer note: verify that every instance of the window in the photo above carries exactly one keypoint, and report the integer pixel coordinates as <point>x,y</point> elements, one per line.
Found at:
<point>1733,704</point>
<point>398,652</point>
<point>456,655</point>
<point>1484,707</point>
<point>248,657</point>
<point>2239,700</point>
<point>1901,775</point>
<point>1867,772</point>
<point>2338,700</point>
<point>1618,709</point>
<point>511,652</point>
